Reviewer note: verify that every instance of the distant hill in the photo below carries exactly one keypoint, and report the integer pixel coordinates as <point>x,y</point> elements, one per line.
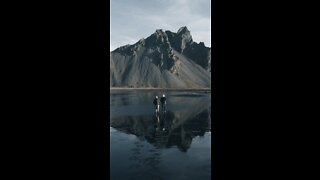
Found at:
<point>163,60</point>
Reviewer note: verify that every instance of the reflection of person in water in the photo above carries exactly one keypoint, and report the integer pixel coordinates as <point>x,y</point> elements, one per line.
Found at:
<point>156,104</point>
<point>165,123</point>
<point>161,124</point>
<point>158,122</point>
<point>163,102</point>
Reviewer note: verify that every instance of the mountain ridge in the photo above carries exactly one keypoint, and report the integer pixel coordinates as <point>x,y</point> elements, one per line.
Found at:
<point>164,59</point>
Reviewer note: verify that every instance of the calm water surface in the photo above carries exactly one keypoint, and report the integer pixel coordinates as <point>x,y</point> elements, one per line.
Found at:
<point>174,145</point>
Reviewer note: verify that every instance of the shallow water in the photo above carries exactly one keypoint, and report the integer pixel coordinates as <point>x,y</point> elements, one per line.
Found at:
<point>174,145</point>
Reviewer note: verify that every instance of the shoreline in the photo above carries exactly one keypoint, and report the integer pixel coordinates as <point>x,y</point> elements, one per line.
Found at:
<point>162,89</point>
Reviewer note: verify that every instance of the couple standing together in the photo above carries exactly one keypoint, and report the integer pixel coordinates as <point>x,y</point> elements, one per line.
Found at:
<point>157,104</point>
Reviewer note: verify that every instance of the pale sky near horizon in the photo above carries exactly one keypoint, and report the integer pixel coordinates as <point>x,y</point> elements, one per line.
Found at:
<point>132,20</point>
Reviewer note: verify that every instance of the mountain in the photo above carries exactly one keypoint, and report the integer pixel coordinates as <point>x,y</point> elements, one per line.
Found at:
<point>163,60</point>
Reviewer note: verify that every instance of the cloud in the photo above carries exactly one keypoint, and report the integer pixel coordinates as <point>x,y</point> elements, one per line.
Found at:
<point>132,20</point>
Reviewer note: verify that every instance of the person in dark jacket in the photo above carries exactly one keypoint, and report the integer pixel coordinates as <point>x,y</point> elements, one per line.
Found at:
<point>156,104</point>
<point>163,101</point>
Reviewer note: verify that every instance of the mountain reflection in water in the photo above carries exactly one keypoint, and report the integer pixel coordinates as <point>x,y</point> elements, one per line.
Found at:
<point>167,129</point>
<point>168,146</point>
<point>175,127</point>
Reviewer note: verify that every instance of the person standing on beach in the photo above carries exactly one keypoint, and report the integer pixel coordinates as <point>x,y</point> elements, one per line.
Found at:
<point>163,102</point>
<point>156,104</point>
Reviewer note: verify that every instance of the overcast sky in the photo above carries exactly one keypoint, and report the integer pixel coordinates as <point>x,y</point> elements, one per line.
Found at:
<point>132,20</point>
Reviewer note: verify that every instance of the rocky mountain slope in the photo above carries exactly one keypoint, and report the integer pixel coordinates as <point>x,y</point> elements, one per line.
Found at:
<point>163,60</point>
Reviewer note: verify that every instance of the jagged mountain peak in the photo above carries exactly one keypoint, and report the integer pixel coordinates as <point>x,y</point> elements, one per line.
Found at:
<point>185,34</point>
<point>159,31</point>
<point>202,44</point>
<point>179,41</point>
<point>183,29</point>
<point>164,59</point>
<point>159,38</point>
